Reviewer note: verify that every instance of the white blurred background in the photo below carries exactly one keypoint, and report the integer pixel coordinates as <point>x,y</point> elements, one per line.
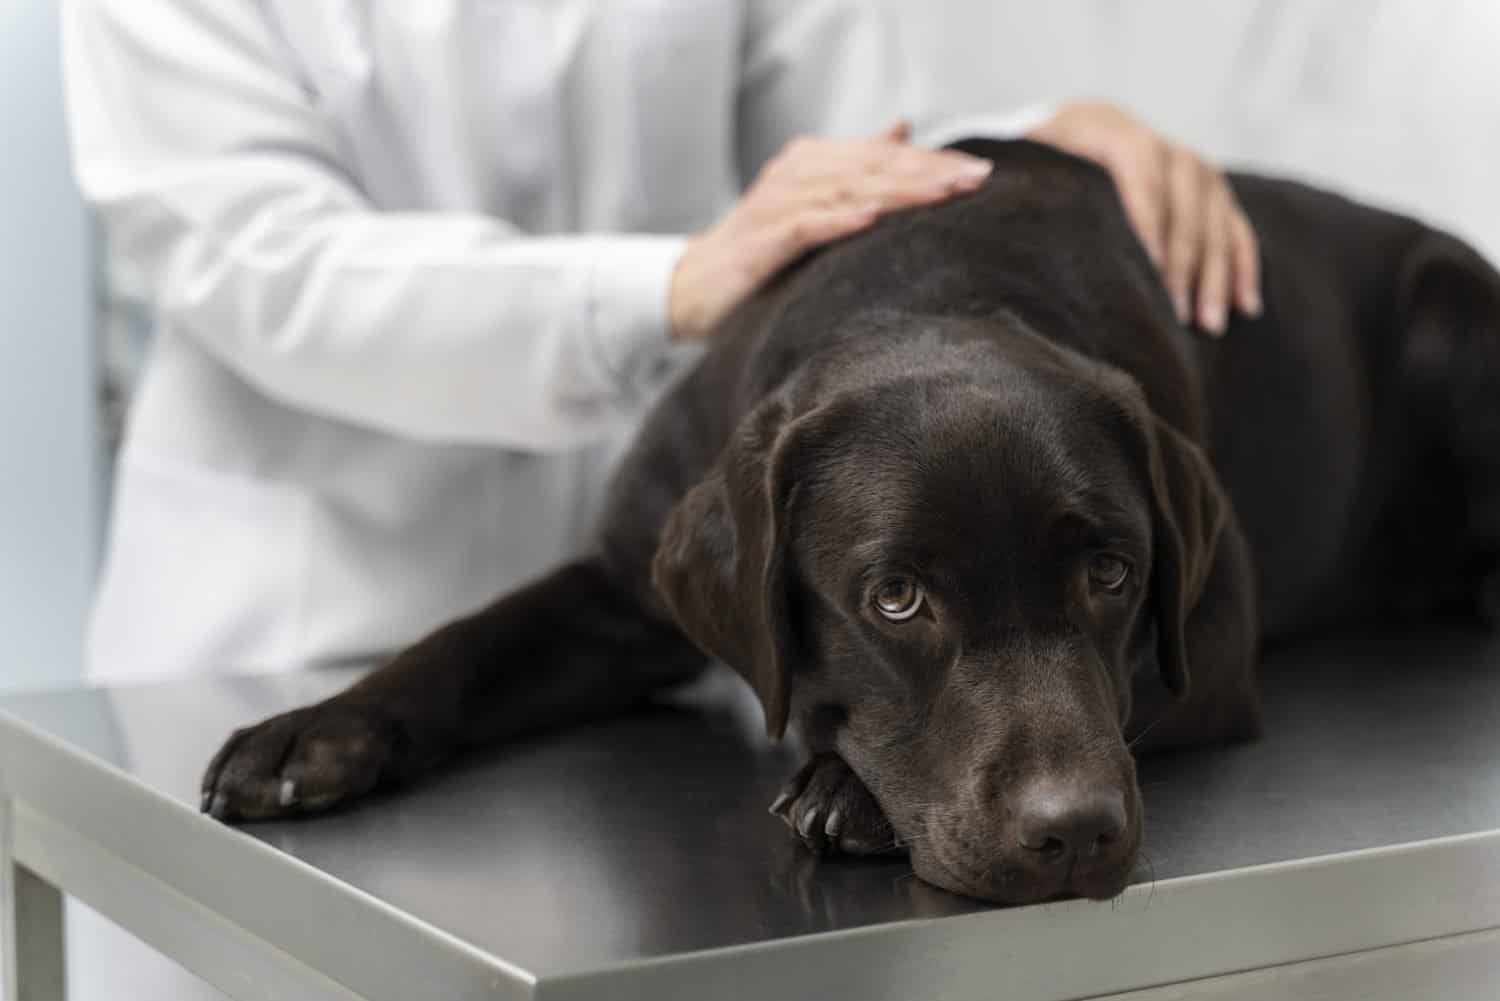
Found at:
<point>49,485</point>
<point>1396,101</point>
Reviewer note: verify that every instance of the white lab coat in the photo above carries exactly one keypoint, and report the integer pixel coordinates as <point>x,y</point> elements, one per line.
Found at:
<point>408,265</point>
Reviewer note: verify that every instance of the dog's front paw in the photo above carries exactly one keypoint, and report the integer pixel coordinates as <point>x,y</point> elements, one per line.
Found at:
<point>299,762</point>
<point>828,807</point>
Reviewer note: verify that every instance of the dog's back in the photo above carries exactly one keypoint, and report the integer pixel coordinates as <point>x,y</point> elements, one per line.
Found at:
<point>1306,403</point>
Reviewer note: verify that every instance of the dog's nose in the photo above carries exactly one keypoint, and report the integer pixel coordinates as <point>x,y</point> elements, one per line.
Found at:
<point>1063,821</point>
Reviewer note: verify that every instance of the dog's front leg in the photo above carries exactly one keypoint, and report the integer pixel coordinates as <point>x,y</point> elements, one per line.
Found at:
<point>828,807</point>
<point>574,645</point>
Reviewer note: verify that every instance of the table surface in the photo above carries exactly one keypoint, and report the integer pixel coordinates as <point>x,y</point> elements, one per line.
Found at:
<point>648,836</point>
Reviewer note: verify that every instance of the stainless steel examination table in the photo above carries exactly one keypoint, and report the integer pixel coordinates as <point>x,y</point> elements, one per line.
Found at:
<point>1353,852</point>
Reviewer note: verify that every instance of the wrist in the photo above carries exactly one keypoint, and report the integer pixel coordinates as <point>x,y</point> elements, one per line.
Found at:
<point>685,310</point>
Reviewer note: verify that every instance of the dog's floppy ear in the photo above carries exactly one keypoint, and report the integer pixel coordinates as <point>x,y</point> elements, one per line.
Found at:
<point>1189,512</point>
<point>721,562</point>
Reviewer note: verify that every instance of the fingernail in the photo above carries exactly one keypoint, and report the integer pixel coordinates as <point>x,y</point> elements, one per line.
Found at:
<point>959,184</point>
<point>219,807</point>
<point>973,169</point>
<point>1211,317</point>
<point>779,805</point>
<point>1252,304</point>
<point>288,794</point>
<point>205,800</point>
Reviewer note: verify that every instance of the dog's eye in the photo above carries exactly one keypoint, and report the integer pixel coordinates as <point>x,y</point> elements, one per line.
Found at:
<point>898,598</point>
<point>1109,572</point>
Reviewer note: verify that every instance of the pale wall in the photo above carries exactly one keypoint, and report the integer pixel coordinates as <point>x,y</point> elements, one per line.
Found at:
<point>1395,100</point>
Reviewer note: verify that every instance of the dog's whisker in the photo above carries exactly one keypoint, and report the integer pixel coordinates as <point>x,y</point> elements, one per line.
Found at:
<point>1145,859</point>
<point>1130,744</point>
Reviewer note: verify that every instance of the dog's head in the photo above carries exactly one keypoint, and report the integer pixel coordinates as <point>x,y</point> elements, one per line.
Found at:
<point>955,576</point>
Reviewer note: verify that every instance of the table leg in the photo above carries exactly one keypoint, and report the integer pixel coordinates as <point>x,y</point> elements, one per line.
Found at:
<point>31,923</point>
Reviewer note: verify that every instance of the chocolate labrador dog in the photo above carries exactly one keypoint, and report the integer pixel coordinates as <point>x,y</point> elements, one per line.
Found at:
<point>961,497</point>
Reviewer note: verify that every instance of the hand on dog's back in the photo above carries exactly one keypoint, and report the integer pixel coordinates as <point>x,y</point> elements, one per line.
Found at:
<point>813,192</point>
<point>816,191</point>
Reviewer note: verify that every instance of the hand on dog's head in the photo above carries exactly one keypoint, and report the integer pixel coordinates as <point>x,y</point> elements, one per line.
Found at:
<point>959,570</point>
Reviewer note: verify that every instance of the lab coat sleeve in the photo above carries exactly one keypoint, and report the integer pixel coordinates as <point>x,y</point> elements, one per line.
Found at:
<point>835,68</point>
<point>225,192</point>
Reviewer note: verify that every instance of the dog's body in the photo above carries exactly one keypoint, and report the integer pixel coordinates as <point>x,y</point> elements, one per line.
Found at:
<point>941,495</point>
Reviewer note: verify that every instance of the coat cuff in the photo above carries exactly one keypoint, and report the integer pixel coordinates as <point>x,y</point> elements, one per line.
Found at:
<point>629,287</point>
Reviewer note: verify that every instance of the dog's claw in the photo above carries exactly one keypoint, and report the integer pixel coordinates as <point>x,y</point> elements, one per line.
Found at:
<point>834,824</point>
<point>808,822</point>
<point>830,810</point>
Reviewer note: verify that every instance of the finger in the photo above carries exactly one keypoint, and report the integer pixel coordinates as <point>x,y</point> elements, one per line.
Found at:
<point>933,164</point>
<point>815,164</point>
<point>919,179</point>
<point>1216,265</point>
<point>1246,250</point>
<point>888,179</point>
<point>1139,178</point>
<point>1184,245</point>
<point>890,194</point>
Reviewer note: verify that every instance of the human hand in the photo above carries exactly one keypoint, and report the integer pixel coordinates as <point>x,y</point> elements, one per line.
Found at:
<point>1180,206</point>
<point>811,193</point>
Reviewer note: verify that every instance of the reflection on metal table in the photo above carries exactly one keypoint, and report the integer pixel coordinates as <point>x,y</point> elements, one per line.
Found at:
<point>1355,850</point>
